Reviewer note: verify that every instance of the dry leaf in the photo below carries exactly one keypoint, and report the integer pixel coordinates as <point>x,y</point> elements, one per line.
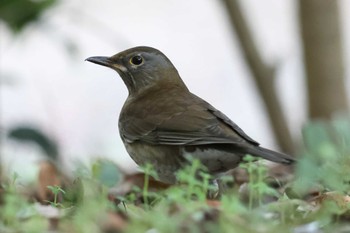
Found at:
<point>114,222</point>
<point>48,176</point>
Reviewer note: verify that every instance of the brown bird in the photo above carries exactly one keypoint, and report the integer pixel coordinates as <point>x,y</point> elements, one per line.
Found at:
<point>162,122</point>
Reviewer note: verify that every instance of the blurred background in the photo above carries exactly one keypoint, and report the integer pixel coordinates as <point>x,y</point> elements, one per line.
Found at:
<point>270,66</point>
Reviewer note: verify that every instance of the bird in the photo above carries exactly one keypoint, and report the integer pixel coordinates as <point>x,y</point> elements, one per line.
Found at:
<point>163,124</point>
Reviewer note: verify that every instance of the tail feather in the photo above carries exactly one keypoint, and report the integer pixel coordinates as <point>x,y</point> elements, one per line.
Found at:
<point>271,155</point>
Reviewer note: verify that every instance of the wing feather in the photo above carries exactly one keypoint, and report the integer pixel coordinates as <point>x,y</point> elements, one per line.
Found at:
<point>183,120</point>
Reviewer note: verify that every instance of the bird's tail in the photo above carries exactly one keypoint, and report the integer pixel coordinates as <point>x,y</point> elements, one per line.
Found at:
<point>270,155</point>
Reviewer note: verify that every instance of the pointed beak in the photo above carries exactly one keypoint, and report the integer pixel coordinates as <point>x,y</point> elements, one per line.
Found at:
<point>104,61</point>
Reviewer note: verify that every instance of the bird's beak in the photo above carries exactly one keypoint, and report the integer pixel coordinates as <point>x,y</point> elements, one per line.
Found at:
<point>106,61</point>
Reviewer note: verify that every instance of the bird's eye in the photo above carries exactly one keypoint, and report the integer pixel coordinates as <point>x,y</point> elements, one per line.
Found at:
<point>136,60</point>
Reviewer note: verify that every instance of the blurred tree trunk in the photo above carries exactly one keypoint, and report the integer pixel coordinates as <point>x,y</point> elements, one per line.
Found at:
<point>263,76</point>
<point>323,57</point>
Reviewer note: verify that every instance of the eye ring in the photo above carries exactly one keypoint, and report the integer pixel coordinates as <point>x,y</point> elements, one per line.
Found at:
<point>136,60</point>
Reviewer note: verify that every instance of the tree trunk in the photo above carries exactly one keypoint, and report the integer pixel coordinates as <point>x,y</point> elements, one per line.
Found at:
<point>263,76</point>
<point>323,57</point>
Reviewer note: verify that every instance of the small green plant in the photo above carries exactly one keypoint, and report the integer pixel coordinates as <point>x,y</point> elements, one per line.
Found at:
<point>56,190</point>
<point>149,172</point>
<point>326,157</point>
<point>15,208</point>
<point>257,176</point>
<point>196,179</point>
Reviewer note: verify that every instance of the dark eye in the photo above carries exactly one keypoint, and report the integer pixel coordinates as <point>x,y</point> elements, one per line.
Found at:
<point>136,60</point>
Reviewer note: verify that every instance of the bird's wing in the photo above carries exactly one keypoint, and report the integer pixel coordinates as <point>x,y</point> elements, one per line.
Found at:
<point>183,120</point>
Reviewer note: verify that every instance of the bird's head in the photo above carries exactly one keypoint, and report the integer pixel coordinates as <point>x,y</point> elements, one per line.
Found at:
<point>141,68</point>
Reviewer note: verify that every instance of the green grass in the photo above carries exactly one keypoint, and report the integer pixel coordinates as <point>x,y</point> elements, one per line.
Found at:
<point>259,207</point>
